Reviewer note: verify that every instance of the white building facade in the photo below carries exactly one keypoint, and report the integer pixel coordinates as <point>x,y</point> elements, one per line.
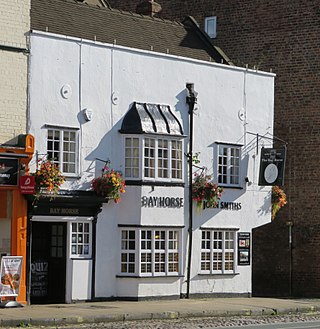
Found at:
<point>94,103</point>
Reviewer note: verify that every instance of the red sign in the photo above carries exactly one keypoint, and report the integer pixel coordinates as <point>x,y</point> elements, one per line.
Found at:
<point>27,184</point>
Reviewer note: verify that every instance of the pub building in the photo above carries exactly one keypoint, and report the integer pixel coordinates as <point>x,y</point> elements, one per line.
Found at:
<point>14,163</point>
<point>97,103</point>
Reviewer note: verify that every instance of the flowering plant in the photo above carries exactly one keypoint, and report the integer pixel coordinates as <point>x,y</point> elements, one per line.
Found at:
<point>48,178</point>
<point>278,200</point>
<point>203,189</point>
<point>110,185</point>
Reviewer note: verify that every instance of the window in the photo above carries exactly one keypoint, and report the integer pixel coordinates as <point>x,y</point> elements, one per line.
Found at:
<point>210,26</point>
<point>150,252</point>
<point>218,252</point>
<point>161,160</point>
<point>81,240</point>
<point>132,156</point>
<point>62,149</point>
<point>228,165</point>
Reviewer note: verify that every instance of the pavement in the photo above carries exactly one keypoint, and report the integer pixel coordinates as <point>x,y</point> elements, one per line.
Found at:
<point>93,312</point>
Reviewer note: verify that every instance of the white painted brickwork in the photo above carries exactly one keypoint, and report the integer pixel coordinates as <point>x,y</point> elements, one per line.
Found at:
<point>14,26</point>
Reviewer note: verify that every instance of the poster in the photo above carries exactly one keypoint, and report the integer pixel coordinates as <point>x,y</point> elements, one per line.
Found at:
<point>10,275</point>
<point>244,248</point>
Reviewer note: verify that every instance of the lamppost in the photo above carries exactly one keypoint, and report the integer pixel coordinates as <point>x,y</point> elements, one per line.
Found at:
<point>191,101</point>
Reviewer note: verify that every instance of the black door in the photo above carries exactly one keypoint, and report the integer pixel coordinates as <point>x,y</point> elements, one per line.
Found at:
<point>48,262</point>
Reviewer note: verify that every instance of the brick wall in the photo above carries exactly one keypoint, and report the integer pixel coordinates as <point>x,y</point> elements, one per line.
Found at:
<point>282,36</point>
<point>14,25</point>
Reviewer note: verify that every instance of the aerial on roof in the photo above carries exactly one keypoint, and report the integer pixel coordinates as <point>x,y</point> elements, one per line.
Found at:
<point>103,24</point>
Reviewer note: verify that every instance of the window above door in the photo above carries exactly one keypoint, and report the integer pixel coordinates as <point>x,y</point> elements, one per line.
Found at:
<point>62,149</point>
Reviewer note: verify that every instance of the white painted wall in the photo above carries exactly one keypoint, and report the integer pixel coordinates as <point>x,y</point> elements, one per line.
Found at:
<point>94,72</point>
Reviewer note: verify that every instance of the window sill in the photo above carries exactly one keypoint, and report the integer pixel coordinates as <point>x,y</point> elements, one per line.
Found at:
<point>153,183</point>
<point>219,274</point>
<point>120,276</point>
<point>232,187</point>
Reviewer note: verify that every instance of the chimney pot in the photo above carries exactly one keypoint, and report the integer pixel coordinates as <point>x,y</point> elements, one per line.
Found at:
<point>149,8</point>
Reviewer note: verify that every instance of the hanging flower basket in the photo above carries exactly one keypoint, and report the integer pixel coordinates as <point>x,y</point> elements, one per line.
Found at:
<point>203,189</point>
<point>48,179</point>
<point>278,200</point>
<point>110,185</point>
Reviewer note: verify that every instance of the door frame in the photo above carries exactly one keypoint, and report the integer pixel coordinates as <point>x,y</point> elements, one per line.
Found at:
<point>69,261</point>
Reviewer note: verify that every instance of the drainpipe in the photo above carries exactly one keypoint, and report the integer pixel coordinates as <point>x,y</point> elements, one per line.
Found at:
<point>94,251</point>
<point>290,224</point>
<point>191,101</point>
<point>29,258</point>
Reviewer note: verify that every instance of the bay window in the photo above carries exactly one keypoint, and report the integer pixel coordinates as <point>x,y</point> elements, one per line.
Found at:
<point>153,158</point>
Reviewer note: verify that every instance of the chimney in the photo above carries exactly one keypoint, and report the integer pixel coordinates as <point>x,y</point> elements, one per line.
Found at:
<point>149,8</point>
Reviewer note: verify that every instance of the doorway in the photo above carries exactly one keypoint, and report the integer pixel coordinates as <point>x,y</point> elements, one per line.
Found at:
<point>48,262</point>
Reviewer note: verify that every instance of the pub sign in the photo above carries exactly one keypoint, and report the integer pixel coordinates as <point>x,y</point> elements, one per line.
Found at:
<point>272,163</point>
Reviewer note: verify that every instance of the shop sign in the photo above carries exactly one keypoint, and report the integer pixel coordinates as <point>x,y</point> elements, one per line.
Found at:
<point>243,248</point>
<point>64,211</point>
<point>27,184</point>
<point>9,169</point>
<point>161,202</point>
<point>272,164</point>
<point>10,275</point>
<point>224,205</point>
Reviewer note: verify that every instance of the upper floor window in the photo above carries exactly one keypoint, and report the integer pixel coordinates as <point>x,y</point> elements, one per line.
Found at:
<point>152,158</point>
<point>218,252</point>
<point>228,165</point>
<point>210,26</point>
<point>153,143</point>
<point>62,149</point>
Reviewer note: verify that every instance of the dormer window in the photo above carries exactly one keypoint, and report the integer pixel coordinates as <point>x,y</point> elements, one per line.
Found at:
<point>153,144</point>
<point>210,26</point>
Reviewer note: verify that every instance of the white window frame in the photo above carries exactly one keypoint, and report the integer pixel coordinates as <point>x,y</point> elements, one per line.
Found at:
<point>157,251</point>
<point>210,26</point>
<point>226,161</point>
<point>80,240</point>
<point>130,155</point>
<point>211,250</point>
<point>61,149</point>
<point>169,155</point>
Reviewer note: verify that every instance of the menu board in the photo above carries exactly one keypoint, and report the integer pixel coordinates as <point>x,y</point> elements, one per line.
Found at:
<point>10,275</point>
<point>39,278</point>
<point>244,242</point>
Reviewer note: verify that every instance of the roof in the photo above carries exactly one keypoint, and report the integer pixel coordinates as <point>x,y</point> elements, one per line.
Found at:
<point>107,25</point>
<point>150,118</point>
